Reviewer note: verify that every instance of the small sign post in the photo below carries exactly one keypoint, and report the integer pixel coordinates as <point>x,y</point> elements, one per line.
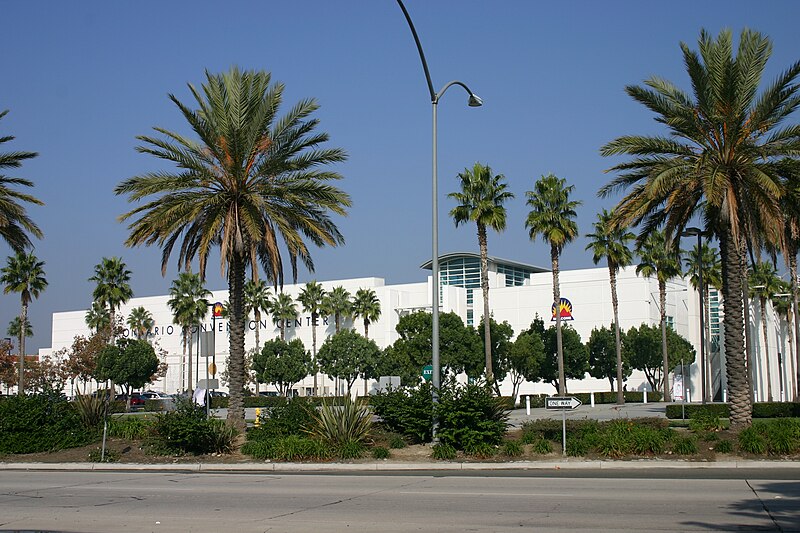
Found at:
<point>563,404</point>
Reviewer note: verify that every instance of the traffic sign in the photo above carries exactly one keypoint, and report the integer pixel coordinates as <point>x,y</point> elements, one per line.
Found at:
<point>562,403</point>
<point>427,372</point>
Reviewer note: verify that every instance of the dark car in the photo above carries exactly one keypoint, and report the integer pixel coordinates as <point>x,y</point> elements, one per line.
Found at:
<point>136,399</point>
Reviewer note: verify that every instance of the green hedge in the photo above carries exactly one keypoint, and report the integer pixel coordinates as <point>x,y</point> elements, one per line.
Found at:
<point>273,401</point>
<point>760,410</point>
<point>611,397</point>
<point>41,423</point>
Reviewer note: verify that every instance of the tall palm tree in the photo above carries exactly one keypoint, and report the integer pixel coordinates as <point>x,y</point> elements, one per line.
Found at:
<point>15,224</point>
<point>249,181</point>
<point>112,286</point>
<point>188,301</point>
<point>707,259</point>
<point>311,298</point>
<point>611,242</point>
<point>284,310</point>
<point>725,160</point>
<point>765,284</point>
<point>23,274</point>
<point>97,318</point>
<point>552,216</point>
<point>338,305</point>
<point>790,206</point>
<point>256,299</point>
<point>140,320</point>
<point>14,328</point>
<point>367,306</point>
<point>481,201</point>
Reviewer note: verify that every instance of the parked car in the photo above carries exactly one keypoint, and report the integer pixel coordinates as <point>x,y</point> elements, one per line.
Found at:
<point>218,394</point>
<point>153,395</point>
<point>268,393</point>
<point>136,399</point>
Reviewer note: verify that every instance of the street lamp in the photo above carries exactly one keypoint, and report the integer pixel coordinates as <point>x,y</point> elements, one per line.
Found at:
<point>473,101</point>
<point>688,232</point>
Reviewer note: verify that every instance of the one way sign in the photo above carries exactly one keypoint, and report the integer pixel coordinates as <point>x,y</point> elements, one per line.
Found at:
<point>562,403</point>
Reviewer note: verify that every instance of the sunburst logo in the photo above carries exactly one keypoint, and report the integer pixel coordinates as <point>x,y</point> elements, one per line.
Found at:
<point>218,308</point>
<point>564,309</point>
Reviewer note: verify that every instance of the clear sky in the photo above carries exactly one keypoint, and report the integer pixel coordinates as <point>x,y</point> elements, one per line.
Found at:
<point>83,79</point>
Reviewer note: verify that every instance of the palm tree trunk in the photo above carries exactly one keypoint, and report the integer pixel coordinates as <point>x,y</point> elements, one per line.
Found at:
<point>612,275</point>
<point>314,350</point>
<point>706,348</point>
<point>257,316</point>
<point>23,320</point>
<point>662,298</point>
<point>189,381</point>
<point>487,320</point>
<point>366,336</point>
<point>763,302</point>
<point>796,311</point>
<point>732,293</point>
<point>745,299</point>
<point>562,384</point>
<point>236,274</point>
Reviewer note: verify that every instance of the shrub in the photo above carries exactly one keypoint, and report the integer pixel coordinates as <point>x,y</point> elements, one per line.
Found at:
<point>542,446</point>
<point>342,425</point>
<point>760,410</point>
<point>110,456</point>
<point>685,445</point>
<point>444,452</point>
<point>187,430</point>
<point>297,448</point>
<point>480,450</point>
<point>723,446</point>
<point>577,446</point>
<point>284,418</point>
<point>221,436</point>
<point>258,449</point>
<point>676,410</point>
<point>352,449</point>
<point>606,397</point>
<point>512,448</point>
<point>704,420</point>
<point>379,452</point>
<point>91,409</point>
<point>646,440</point>
<point>397,442</point>
<point>129,427</point>
<point>751,441</point>
<point>41,423</point>
<point>407,411</point>
<point>782,434</point>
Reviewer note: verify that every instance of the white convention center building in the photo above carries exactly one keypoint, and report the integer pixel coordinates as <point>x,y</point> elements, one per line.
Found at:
<point>518,292</point>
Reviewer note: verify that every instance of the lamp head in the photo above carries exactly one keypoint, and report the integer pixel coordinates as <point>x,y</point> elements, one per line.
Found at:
<point>475,101</point>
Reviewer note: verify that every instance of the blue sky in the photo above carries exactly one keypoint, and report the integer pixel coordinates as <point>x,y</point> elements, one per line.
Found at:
<point>83,79</point>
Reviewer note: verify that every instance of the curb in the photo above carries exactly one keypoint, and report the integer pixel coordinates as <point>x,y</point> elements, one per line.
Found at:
<point>396,467</point>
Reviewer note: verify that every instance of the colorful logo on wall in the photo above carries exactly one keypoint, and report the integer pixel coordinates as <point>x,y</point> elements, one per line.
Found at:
<point>564,308</point>
<point>218,309</point>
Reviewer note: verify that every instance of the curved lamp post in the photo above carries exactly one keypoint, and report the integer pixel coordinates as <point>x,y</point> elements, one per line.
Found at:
<point>474,101</point>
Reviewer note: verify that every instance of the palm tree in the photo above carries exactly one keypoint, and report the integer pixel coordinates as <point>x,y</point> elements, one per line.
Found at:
<point>765,284</point>
<point>283,309</point>
<point>367,306</point>
<point>112,288</point>
<point>256,299</point>
<point>97,318</point>
<point>611,242</point>
<point>311,298</point>
<point>724,160</point>
<point>338,305</point>
<point>14,328</point>
<point>782,304</point>
<point>188,301</point>
<point>23,274</point>
<point>15,224</point>
<point>140,320</point>
<point>707,259</point>
<point>250,181</point>
<point>552,217</point>
<point>481,201</point>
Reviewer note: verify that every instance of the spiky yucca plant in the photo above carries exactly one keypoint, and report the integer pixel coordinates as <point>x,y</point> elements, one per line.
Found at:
<point>340,424</point>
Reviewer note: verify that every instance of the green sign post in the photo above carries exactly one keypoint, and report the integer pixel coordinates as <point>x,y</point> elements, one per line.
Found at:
<point>427,372</point>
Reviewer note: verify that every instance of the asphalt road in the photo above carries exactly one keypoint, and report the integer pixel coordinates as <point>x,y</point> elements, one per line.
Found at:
<point>169,501</point>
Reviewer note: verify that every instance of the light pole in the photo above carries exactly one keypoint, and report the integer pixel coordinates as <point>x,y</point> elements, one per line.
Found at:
<point>688,232</point>
<point>473,101</point>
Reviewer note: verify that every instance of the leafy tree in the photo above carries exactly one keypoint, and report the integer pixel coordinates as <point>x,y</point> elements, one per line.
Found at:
<point>461,349</point>
<point>249,181</point>
<point>337,303</point>
<point>397,362</point>
<point>525,359</point>
<point>81,357</point>
<point>282,364</point>
<point>112,286</point>
<point>128,362</point>
<point>725,160</point>
<point>23,274</point>
<point>46,376</point>
<point>347,355</point>
<point>15,224</point>
<point>8,366</point>
<point>764,283</point>
<point>481,200</point>
<point>642,349</point>
<point>140,320</point>
<point>367,306</point>
<point>552,216</point>
<point>576,357</point>
<point>311,297</point>
<point>611,242</point>
<point>97,318</point>
<point>257,298</point>
<point>284,310</point>
<point>659,257</point>
<point>603,362</point>
<point>188,301</point>
<point>500,335</point>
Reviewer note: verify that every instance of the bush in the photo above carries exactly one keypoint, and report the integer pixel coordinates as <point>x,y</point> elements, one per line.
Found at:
<point>577,446</point>
<point>91,409</point>
<point>283,419</point>
<point>444,452</point>
<point>470,415</point>
<point>129,427</point>
<point>258,449</point>
<point>397,442</point>
<point>686,445</point>
<point>379,452</point>
<point>110,456</point>
<point>41,423</point>
<point>704,420</point>
<point>512,448</point>
<point>676,410</point>
<point>606,397</point>
<point>723,446</point>
<point>480,450</point>
<point>542,446</point>
<point>751,441</point>
<point>352,449</point>
<point>297,448</point>
<point>342,425</point>
<point>187,430</point>
<point>646,440</point>
<point>782,434</point>
<point>760,410</point>
<point>407,411</point>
